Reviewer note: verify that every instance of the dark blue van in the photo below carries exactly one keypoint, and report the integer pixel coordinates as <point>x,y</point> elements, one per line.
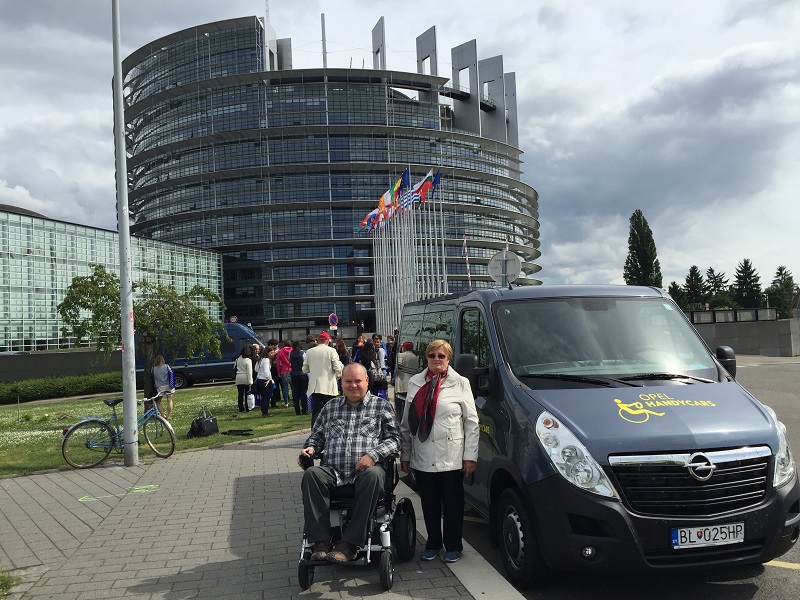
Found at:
<point>611,437</point>
<point>207,367</point>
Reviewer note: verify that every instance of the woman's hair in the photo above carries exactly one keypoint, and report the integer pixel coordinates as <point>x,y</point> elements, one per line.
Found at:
<point>246,352</point>
<point>440,344</point>
<point>341,347</point>
<point>160,361</point>
<point>264,352</point>
<point>297,345</point>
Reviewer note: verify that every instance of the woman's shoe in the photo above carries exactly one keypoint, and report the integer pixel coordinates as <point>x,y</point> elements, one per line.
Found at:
<point>430,554</point>
<point>452,556</point>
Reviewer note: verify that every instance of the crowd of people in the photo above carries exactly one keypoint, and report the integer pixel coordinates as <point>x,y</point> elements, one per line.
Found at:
<point>290,372</point>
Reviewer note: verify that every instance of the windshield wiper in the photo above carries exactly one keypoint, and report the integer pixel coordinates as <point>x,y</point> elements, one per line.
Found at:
<point>657,376</point>
<point>604,381</point>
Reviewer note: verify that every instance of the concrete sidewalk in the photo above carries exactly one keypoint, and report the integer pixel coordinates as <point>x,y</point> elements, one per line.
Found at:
<point>220,522</point>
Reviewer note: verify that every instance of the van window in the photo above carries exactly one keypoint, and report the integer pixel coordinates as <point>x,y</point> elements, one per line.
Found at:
<point>473,337</point>
<point>601,336</point>
<point>227,346</point>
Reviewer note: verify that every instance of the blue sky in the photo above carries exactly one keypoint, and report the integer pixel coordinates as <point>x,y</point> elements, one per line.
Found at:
<point>691,116</point>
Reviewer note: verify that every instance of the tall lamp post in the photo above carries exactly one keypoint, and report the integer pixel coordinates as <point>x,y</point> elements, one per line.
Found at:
<point>130,433</point>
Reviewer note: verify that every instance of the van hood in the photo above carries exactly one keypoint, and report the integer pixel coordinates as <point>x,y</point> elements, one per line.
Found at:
<point>661,418</point>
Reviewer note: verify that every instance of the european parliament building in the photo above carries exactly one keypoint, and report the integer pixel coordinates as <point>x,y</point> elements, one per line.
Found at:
<point>232,149</point>
<point>40,256</point>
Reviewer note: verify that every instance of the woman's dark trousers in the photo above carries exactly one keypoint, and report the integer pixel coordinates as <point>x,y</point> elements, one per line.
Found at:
<point>442,493</point>
<point>242,389</point>
<point>265,389</point>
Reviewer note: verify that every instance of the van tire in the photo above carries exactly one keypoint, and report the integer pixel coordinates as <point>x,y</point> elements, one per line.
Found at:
<point>180,381</point>
<point>519,548</point>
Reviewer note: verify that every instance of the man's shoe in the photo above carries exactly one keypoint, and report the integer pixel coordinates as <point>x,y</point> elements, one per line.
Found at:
<point>342,553</point>
<point>430,554</point>
<point>321,550</point>
<point>452,556</point>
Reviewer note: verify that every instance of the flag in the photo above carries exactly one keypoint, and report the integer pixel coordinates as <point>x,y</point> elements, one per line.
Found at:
<point>427,185</point>
<point>401,184</point>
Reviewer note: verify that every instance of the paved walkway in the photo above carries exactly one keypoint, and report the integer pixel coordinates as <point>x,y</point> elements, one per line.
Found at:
<point>220,522</point>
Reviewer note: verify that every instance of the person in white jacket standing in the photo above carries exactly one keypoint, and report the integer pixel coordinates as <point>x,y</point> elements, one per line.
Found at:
<point>324,369</point>
<point>440,442</point>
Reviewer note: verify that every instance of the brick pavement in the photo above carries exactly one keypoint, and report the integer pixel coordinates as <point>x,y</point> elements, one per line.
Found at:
<point>221,522</point>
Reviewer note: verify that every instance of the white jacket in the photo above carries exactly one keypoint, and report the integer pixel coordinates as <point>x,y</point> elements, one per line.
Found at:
<point>455,433</point>
<point>324,369</point>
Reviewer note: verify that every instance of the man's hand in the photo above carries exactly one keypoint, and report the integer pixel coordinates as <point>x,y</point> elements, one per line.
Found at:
<point>405,465</point>
<point>365,463</point>
<point>305,453</point>
<point>469,467</point>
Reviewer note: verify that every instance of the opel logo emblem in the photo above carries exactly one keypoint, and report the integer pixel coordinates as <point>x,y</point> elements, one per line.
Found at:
<point>700,466</point>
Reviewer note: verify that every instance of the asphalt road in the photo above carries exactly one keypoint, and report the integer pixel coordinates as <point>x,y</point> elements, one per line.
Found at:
<point>777,385</point>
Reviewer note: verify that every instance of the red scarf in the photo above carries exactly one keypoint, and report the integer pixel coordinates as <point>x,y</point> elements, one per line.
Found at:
<point>421,415</point>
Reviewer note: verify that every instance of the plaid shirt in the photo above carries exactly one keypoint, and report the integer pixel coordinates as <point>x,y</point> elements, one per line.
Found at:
<point>347,433</point>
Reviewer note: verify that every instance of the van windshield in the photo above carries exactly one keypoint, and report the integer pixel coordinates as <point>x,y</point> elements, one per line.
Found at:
<point>608,336</point>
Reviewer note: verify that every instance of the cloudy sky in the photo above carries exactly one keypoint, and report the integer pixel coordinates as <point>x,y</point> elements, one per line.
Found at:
<point>689,111</point>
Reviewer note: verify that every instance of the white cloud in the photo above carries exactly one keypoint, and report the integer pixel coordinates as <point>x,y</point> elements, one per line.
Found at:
<point>689,115</point>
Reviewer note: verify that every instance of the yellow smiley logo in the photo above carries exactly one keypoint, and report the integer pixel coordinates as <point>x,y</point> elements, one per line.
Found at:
<point>636,410</point>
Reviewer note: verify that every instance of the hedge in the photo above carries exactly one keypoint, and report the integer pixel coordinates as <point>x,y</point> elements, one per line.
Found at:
<point>60,387</point>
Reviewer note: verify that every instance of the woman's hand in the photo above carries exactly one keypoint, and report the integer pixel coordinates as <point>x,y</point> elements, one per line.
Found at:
<point>405,465</point>
<point>469,467</point>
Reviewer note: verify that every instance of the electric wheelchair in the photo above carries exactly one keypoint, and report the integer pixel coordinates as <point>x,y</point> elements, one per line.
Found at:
<point>393,533</point>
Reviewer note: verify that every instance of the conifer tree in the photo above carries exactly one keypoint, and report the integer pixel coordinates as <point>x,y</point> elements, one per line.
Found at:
<point>746,288</point>
<point>641,266</point>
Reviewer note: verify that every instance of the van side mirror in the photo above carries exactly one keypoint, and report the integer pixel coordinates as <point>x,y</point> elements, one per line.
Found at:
<point>467,365</point>
<point>726,357</point>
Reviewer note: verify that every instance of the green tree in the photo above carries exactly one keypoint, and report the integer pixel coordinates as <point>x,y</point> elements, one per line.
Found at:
<point>781,292</point>
<point>164,319</point>
<point>695,289</point>
<point>746,287</point>
<point>641,265</point>
<point>715,282</point>
<point>676,291</point>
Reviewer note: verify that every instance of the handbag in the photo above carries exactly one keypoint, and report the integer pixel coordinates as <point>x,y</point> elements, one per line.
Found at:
<point>171,377</point>
<point>251,400</point>
<point>378,374</point>
<point>204,425</point>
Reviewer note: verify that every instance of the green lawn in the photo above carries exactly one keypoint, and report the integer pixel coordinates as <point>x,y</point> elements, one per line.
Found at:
<point>30,435</point>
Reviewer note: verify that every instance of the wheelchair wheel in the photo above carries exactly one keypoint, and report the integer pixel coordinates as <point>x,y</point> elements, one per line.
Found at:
<point>305,576</point>
<point>386,570</point>
<point>404,530</point>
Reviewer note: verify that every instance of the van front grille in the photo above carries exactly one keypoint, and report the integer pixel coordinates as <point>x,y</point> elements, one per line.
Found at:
<point>664,485</point>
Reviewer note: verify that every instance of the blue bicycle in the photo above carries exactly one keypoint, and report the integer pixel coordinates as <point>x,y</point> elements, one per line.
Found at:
<point>88,442</point>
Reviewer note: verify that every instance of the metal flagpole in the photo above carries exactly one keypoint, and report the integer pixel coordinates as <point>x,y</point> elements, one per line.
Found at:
<point>130,433</point>
<point>444,255</point>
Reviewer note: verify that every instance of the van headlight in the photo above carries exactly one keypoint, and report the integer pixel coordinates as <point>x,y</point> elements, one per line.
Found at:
<point>784,463</point>
<point>571,458</point>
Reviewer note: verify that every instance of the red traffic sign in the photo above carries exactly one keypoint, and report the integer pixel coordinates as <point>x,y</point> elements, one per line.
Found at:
<point>333,320</point>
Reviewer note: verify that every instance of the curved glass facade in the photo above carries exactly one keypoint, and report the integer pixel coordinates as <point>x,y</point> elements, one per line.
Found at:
<point>275,170</point>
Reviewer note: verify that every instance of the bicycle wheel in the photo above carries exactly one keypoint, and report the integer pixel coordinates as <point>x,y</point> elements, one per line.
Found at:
<point>159,436</point>
<point>87,443</point>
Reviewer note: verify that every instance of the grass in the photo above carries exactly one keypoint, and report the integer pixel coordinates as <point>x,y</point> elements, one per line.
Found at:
<point>30,434</point>
<point>6,583</point>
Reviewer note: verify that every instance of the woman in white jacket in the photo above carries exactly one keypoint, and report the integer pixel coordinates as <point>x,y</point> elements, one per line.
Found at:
<point>440,442</point>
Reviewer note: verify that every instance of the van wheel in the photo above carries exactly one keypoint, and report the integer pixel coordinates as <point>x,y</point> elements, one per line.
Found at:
<point>180,381</point>
<point>525,567</point>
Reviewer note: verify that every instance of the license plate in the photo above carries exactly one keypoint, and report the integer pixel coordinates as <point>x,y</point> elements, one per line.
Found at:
<point>707,535</point>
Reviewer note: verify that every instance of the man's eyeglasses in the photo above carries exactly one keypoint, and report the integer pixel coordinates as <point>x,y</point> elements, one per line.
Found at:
<point>440,356</point>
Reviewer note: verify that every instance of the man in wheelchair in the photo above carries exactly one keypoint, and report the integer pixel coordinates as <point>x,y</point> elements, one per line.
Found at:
<point>356,431</point>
